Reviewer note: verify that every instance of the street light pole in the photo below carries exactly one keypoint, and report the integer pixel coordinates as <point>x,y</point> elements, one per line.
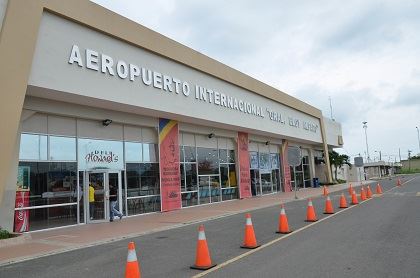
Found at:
<point>418,137</point>
<point>367,146</point>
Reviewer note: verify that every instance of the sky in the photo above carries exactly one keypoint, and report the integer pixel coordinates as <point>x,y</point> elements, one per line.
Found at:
<point>364,56</point>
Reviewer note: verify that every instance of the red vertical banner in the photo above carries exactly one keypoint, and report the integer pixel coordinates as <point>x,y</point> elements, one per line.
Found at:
<point>286,168</point>
<point>244,174</point>
<point>170,177</point>
<point>21,216</point>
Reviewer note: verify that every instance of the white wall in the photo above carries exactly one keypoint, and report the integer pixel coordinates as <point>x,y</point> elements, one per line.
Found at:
<point>333,131</point>
<point>71,82</point>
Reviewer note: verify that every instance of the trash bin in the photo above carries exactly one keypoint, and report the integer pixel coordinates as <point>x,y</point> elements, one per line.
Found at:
<point>316,182</point>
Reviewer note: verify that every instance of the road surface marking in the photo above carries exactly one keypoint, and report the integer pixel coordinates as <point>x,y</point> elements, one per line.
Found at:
<point>281,238</point>
<point>271,243</point>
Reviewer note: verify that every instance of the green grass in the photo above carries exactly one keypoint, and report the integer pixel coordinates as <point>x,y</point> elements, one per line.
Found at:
<point>4,234</point>
<point>411,171</point>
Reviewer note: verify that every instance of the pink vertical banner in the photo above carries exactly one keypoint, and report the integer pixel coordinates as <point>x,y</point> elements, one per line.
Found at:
<point>170,177</point>
<point>21,216</point>
<point>244,174</point>
<point>286,168</point>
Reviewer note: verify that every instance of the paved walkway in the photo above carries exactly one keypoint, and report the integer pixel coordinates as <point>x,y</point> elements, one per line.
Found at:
<point>44,243</point>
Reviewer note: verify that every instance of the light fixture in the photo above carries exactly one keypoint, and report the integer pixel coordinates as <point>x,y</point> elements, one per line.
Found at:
<point>211,135</point>
<point>267,143</point>
<point>106,122</point>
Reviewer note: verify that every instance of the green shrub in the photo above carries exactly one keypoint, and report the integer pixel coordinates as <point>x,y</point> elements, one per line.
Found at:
<point>4,234</point>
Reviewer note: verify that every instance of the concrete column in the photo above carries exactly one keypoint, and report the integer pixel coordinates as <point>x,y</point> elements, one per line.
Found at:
<point>312,165</point>
<point>7,204</point>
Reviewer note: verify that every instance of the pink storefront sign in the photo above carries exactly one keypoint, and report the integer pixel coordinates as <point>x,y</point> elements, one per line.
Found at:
<point>244,171</point>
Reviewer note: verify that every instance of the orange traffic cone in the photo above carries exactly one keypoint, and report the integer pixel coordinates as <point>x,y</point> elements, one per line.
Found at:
<point>368,192</point>
<point>399,182</point>
<point>328,206</point>
<point>362,194</point>
<point>310,212</point>
<point>202,259</point>
<point>325,191</point>
<point>354,200</point>
<point>283,223</point>
<point>378,189</point>
<point>350,189</point>
<point>343,202</point>
<point>132,268</point>
<point>250,241</point>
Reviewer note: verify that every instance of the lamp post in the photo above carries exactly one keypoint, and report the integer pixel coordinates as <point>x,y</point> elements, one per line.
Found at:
<point>418,137</point>
<point>367,146</point>
<point>379,163</point>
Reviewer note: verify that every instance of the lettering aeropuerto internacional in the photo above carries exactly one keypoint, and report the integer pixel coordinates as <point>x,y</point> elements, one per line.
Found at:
<point>105,64</point>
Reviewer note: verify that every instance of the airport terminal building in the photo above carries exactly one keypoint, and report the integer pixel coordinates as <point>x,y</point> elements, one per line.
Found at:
<point>93,102</point>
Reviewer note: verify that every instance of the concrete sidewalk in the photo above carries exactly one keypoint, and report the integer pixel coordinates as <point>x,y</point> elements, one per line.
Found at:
<point>44,243</point>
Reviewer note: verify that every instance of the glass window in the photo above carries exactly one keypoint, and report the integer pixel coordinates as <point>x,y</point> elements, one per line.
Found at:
<point>142,179</point>
<point>62,148</point>
<point>265,161</point>
<point>224,175</point>
<point>181,153</point>
<point>33,147</point>
<point>232,175</point>
<point>143,205</point>
<point>133,152</point>
<point>223,156</point>
<point>150,153</point>
<point>182,172</point>
<point>274,161</point>
<point>208,162</point>
<point>190,155</point>
<point>44,218</point>
<point>51,182</point>
<point>191,176</point>
<point>253,160</point>
<point>231,156</point>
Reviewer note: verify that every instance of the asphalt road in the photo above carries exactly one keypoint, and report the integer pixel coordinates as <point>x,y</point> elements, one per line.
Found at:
<point>377,238</point>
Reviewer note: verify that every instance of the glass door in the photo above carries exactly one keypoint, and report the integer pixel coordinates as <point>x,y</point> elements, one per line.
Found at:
<point>204,189</point>
<point>255,182</point>
<point>97,197</point>
<point>266,183</point>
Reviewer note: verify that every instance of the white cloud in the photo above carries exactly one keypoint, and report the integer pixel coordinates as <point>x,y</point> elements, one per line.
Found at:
<point>364,54</point>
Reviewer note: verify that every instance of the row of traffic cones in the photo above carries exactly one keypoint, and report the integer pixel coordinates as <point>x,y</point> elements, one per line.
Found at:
<point>203,260</point>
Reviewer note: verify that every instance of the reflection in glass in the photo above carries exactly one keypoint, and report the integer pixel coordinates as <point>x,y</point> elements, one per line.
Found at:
<point>189,199</point>
<point>51,182</point>
<point>204,190</point>
<point>96,196</point>
<point>33,147</point>
<point>133,152</point>
<point>266,184</point>
<point>150,153</point>
<point>264,161</point>
<point>62,148</point>
<point>253,160</point>
<point>208,162</point>
<point>191,176</point>
<point>231,156</point>
<point>190,155</point>
<point>223,156</point>
<point>44,218</point>
<point>214,189</point>
<point>142,179</point>
<point>143,205</point>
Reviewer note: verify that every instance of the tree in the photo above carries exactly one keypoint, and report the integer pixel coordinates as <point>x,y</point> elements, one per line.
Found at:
<point>338,160</point>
